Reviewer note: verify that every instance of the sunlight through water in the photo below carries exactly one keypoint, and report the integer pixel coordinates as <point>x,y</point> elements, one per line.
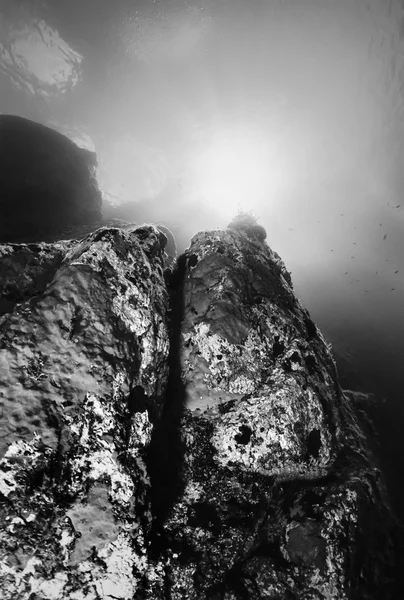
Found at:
<point>235,169</point>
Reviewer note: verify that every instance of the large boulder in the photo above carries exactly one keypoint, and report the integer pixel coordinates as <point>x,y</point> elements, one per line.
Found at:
<point>277,494</point>
<point>77,406</point>
<point>179,434</point>
<point>46,181</point>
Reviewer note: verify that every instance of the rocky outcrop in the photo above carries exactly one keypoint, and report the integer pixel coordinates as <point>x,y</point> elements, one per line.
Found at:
<point>45,180</point>
<point>178,434</point>
<point>83,369</point>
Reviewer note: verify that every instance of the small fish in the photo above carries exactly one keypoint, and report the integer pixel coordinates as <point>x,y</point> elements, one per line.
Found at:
<point>385,235</point>
<point>290,229</point>
<point>346,273</point>
<point>352,257</point>
<point>392,289</point>
<point>342,214</point>
<point>354,243</point>
<point>380,224</point>
<point>395,272</point>
<point>398,205</point>
<point>331,250</point>
<point>376,272</point>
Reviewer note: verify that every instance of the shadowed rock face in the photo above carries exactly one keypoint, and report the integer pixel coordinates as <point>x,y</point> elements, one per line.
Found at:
<point>46,181</point>
<point>174,435</point>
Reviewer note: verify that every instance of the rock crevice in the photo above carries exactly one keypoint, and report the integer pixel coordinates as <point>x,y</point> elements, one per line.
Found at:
<point>181,432</point>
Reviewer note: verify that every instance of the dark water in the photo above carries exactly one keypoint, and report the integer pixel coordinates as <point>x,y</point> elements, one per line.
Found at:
<point>291,108</point>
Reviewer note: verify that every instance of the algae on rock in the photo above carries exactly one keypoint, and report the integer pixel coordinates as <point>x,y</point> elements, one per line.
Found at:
<point>169,435</point>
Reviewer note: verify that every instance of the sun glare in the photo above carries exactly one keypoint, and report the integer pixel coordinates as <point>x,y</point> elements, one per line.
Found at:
<point>236,171</point>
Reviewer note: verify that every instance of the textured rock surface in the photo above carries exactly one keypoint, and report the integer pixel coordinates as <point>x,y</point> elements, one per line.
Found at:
<point>169,435</point>
<point>247,341</point>
<point>278,495</point>
<point>45,180</point>
<point>75,232</point>
<point>83,367</point>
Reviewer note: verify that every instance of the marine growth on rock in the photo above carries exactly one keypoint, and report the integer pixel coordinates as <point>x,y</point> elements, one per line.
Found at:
<point>177,435</point>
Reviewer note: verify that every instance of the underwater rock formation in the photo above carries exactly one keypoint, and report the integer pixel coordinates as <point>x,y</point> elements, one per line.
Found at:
<point>173,434</point>
<point>83,367</point>
<point>45,180</point>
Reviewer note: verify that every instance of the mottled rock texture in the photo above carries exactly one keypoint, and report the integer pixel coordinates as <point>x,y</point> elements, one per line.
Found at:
<point>45,180</point>
<point>173,434</point>
<point>83,368</point>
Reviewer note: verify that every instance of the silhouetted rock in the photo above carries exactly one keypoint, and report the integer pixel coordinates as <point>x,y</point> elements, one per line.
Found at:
<point>246,222</point>
<point>46,181</point>
<point>179,436</point>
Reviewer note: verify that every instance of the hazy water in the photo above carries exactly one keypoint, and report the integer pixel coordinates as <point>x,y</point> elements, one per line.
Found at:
<point>291,108</point>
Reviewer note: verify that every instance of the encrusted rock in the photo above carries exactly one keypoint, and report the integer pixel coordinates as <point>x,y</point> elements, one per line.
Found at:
<point>250,349</point>
<point>83,369</point>
<point>169,435</point>
<point>279,489</point>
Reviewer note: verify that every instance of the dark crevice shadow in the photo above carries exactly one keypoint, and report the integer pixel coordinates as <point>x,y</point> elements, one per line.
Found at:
<point>166,452</point>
